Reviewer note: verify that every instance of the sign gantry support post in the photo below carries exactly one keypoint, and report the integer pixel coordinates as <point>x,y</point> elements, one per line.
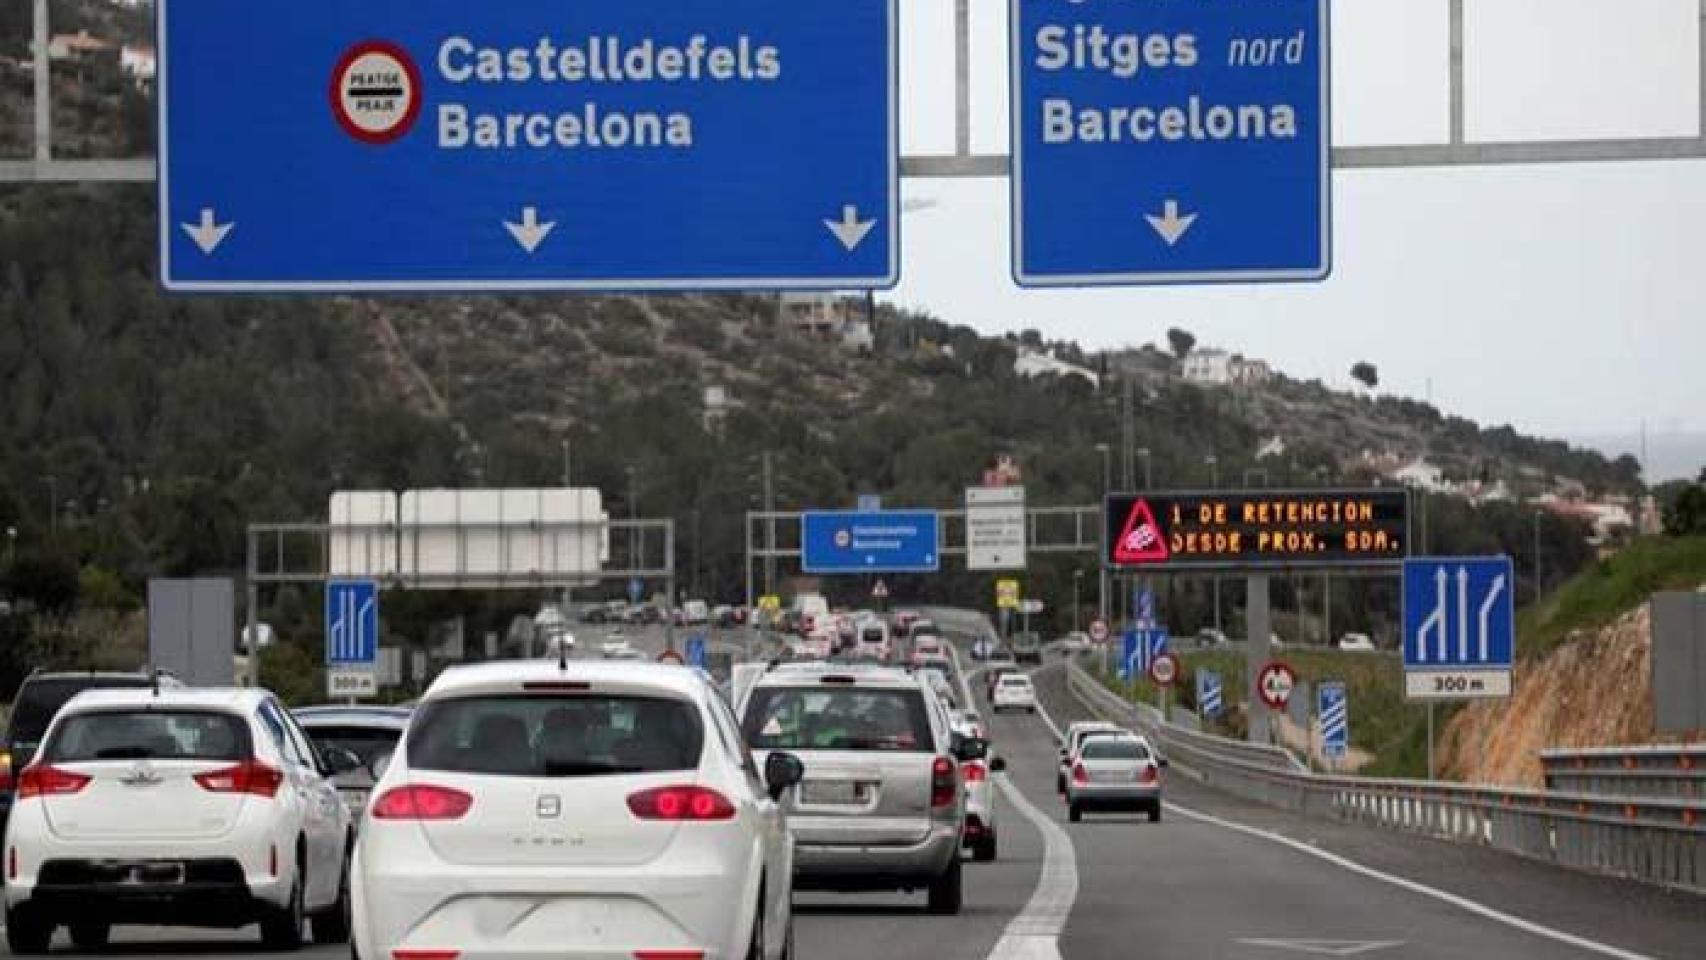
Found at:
<point>1258,630</point>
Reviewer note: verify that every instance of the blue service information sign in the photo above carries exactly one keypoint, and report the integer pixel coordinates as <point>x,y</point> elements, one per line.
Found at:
<point>423,145</point>
<point>1170,141</point>
<point>889,541</point>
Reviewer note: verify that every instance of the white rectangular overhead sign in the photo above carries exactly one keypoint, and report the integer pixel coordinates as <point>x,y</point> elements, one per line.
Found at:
<point>995,528</point>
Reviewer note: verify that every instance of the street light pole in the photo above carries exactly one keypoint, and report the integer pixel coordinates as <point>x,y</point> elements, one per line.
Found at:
<point>566,486</point>
<point>1077,580</point>
<point>769,528</point>
<point>1539,582</point>
<point>1102,566</point>
<point>1214,578</point>
<point>633,515</point>
<point>1148,468</point>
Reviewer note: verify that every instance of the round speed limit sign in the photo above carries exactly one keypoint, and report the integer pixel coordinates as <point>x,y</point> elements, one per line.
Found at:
<point>1164,670</point>
<point>1099,631</point>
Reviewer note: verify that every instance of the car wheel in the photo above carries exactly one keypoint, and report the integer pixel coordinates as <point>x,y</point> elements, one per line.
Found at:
<point>947,892</point>
<point>1155,812</point>
<point>281,929</point>
<point>1074,814</point>
<point>91,935</point>
<point>27,933</point>
<point>331,925</point>
<point>983,851</point>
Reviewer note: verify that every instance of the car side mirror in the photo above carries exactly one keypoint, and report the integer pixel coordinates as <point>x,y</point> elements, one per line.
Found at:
<point>1161,762</point>
<point>997,764</point>
<point>971,748</point>
<point>781,771</point>
<point>340,761</point>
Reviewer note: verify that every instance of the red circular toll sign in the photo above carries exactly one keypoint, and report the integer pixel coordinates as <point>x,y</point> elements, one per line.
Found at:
<point>1274,684</point>
<point>1164,670</point>
<point>376,91</point>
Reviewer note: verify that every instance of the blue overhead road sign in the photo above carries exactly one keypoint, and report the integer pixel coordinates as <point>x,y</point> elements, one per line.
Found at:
<point>1170,141</point>
<point>888,541</point>
<point>1335,719</point>
<point>1459,627</point>
<point>352,623</point>
<point>423,145</point>
<point>696,650</point>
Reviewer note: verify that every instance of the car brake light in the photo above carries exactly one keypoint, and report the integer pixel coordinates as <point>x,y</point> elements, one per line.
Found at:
<point>976,773</point>
<point>419,801</point>
<point>251,776</point>
<point>556,686</point>
<point>39,780</point>
<point>681,803</point>
<point>1079,774</point>
<point>402,953</point>
<point>6,782</point>
<point>839,679</point>
<point>669,955</point>
<point>944,783</point>
<point>1147,774</point>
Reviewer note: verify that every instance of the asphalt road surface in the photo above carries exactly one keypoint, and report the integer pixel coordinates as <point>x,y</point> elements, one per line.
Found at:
<point>1217,878</point>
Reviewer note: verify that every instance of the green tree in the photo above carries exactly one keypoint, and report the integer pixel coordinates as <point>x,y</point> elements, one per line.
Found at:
<point>1367,374</point>
<point>1182,342</point>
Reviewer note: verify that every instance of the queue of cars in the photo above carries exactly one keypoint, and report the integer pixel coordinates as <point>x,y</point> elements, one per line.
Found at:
<point>570,790</point>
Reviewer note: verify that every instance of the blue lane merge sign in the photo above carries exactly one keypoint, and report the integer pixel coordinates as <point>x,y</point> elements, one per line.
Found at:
<point>1170,141</point>
<point>352,622</point>
<point>1459,627</point>
<point>422,145</point>
<point>1209,693</point>
<point>1335,719</point>
<point>890,541</point>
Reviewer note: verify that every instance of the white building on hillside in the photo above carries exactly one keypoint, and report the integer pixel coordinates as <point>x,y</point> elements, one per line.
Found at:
<point>1423,475</point>
<point>1032,364</point>
<point>1209,367</point>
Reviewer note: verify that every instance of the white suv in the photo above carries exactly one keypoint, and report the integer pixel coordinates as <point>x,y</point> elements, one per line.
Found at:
<point>1014,692</point>
<point>575,809</point>
<point>204,808</point>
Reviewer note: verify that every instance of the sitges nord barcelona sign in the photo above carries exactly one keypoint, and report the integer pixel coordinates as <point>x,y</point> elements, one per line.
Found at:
<point>1257,529</point>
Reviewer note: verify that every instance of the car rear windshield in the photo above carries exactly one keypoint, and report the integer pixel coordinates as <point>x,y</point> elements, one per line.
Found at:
<point>40,699</point>
<point>149,735</point>
<point>371,744</point>
<point>556,736</point>
<point>1015,680</point>
<point>817,718</point>
<point>1110,749</point>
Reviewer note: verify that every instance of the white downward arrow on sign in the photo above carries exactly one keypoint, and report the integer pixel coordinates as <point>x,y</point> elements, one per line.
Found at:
<point>1170,225</point>
<point>850,230</point>
<point>207,234</point>
<point>530,233</point>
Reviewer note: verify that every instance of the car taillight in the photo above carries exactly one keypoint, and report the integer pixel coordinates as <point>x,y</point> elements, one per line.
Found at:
<point>404,953</point>
<point>975,773</point>
<point>1147,774</point>
<point>419,801</point>
<point>681,803</point>
<point>6,782</point>
<point>39,780</point>
<point>251,777</point>
<point>944,783</point>
<point>1079,774</point>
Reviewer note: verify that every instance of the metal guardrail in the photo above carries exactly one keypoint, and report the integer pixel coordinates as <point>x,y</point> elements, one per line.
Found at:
<point>1677,772</point>
<point>1652,839</point>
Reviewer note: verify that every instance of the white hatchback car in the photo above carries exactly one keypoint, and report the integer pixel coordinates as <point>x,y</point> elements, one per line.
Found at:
<point>1014,692</point>
<point>577,809</point>
<point>181,807</point>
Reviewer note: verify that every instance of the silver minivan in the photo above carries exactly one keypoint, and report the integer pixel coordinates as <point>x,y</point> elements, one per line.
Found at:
<point>880,806</point>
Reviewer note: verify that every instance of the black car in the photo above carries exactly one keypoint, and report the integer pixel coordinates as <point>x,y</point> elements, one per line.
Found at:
<point>1027,648</point>
<point>39,698</point>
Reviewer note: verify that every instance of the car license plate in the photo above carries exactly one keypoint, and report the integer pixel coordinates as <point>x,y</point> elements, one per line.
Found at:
<point>835,791</point>
<point>150,874</point>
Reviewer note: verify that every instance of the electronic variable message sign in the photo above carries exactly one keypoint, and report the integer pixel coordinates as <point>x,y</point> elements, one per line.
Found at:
<point>1257,528</point>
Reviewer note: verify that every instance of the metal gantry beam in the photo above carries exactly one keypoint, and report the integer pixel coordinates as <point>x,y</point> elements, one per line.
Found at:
<point>1457,151</point>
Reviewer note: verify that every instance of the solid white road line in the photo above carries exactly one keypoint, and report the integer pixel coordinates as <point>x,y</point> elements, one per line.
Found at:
<point>1464,903</point>
<point>1035,933</point>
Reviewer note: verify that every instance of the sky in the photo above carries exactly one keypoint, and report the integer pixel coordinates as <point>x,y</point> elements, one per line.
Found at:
<point>1566,300</point>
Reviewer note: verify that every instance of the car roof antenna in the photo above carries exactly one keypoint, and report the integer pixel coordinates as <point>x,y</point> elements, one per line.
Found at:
<point>562,655</point>
<point>154,676</point>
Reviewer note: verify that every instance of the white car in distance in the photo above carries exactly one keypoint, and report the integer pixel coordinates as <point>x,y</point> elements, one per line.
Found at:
<point>1014,692</point>
<point>205,808</point>
<point>586,808</point>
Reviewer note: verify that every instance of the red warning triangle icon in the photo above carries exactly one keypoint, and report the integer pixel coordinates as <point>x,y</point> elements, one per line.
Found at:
<point>1140,539</point>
